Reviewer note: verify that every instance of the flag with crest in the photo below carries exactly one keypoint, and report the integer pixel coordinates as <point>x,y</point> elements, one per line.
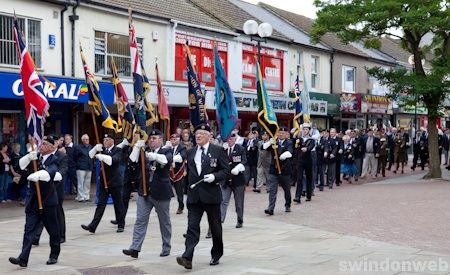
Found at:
<point>266,115</point>
<point>36,104</point>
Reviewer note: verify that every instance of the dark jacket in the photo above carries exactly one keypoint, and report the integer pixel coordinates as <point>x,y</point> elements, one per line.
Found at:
<point>133,170</point>
<point>216,163</point>
<point>331,148</point>
<point>48,192</point>
<point>348,154</point>
<point>252,151</point>
<point>158,182</point>
<point>181,149</point>
<point>81,157</point>
<point>71,159</point>
<point>304,157</point>
<point>445,142</point>
<point>286,166</point>
<point>112,172</point>
<point>238,155</point>
<point>320,149</point>
<point>62,169</point>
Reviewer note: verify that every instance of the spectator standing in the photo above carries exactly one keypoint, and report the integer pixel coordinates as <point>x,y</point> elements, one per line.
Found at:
<point>4,170</point>
<point>84,168</point>
<point>71,176</point>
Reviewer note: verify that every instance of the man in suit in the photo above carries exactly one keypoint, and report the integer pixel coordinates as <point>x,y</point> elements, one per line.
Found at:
<point>177,176</point>
<point>71,175</point>
<point>207,169</point>
<point>235,183</point>
<point>339,158</point>
<point>355,141</point>
<point>60,153</point>
<point>251,146</point>
<point>416,148</point>
<point>304,146</point>
<point>263,166</point>
<point>284,153</point>
<point>320,149</point>
<point>47,169</point>
<point>370,151</point>
<point>111,156</point>
<point>159,193</point>
<point>331,151</point>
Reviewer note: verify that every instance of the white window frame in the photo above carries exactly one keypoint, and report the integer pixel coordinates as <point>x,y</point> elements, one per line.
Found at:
<point>37,61</point>
<point>315,68</point>
<point>345,83</point>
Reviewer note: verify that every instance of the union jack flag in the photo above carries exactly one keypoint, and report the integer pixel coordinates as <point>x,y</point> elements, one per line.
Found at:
<point>36,104</point>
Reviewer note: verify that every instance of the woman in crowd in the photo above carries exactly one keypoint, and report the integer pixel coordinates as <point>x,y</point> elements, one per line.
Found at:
<point>348,166</point>
<point>400,155</point>
<point>19,180</point>
<point>4,170</point>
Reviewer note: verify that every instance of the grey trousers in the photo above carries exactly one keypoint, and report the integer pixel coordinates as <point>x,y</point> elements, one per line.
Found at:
<point>331,174</point>
<point>144,208</point>
<point>285,182</point>
<point>358,163</point>
<point>262,177</point>
<point>239,193</point>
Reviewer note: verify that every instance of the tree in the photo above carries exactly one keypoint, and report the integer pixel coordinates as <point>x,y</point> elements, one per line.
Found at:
<point>369,20</point>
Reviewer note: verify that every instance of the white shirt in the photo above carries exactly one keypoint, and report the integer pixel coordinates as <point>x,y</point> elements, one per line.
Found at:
<point>70,145</point>
<point>45,157</point>
<point>198,157</point>
<point>175,149</point>
<point>109,149</point>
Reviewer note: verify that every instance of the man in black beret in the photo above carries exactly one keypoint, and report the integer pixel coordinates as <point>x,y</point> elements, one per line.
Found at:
<point>207,168</point>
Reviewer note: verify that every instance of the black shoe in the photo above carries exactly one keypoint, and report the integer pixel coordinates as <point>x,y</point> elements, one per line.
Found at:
<point>321,189</point>
<point>288,209</point>
<point>297,200</point>
<point>208,235</point>
<point>36,242</point>
<point>308,199</point>
<point>239,225</point>
<point>114,222</point>
<point>184,262</point>
<point>268,212</point>
<point>131,252</point>
<point>17,261</point>
<point>303,194</point>
<point>87,228</point>
<point>213,262</point>
<point>120,230</point>
<point>63,240</point>
<point>164,254</point>
<point>51,261</point>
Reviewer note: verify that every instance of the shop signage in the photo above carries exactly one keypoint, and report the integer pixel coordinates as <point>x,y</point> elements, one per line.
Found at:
<point>202,57</point>
<point>64,89</point>
<point>350,103</point>
<point>410,109</point>
<point>376,104</point>
<point>318,107</point>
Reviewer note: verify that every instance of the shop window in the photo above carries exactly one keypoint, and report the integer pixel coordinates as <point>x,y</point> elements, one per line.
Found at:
<point>31,31</point>
<point>108,46</point>
<point>348,79</point>
<point>314,71</point>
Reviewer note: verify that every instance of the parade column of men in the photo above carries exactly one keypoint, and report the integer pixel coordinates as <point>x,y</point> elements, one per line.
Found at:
<point>179,158</point>
<point>304,146</point>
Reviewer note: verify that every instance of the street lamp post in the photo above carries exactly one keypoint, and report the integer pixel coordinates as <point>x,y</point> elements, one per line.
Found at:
<point>263,30</point>
<point>411,62</point>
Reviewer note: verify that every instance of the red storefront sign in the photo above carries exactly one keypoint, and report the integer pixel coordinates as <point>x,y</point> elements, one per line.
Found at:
<point>202,57</point>
<point>271,68</point>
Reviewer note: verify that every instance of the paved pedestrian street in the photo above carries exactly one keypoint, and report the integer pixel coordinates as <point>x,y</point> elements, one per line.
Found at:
<point>393,226</point>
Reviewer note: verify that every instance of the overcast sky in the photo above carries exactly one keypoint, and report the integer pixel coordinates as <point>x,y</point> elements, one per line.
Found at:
<point>303,7</point>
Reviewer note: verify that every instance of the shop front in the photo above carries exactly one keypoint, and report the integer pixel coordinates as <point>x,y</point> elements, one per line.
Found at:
<point>323,108</point>
<point>378,110</point>
<point>351,117</point>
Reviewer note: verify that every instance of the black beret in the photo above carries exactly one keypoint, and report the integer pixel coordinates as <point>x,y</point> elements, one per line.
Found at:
<point>284,128</point>
<point>202,127</point>
<point>108,136</point>
<point>49,139</point>
<point>154,132</point>
<point>175,136</point>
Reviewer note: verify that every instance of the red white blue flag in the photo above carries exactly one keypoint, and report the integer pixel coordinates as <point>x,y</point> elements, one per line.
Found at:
<point>36,104</point>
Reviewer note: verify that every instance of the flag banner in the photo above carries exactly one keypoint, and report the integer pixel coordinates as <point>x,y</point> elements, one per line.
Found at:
<point>96,98</point>
<point>298,116</point>
<point>266,115</point>
<point>197,107</point>
<point>125,117</point>
<point>226,111</point>
<point>163,109</point>
<point>36,104</point>
<point>145,112</point>
<point>305,99</point>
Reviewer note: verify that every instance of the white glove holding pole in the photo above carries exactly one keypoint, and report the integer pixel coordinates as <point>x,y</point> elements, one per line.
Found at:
<point>177,158</point>
<point>95,149</point>
<point>160,158</point>
<point>134,156</point>
<point>123,143</point>
<point>25,160</point>
<point>237,169</point>
<point>105,158</point>
<point>57,177</point>
<point>168,144</point>
<point>150,156</point>
<point>40,175</point>
<point>225,146</point>
<point>209,178</point>
<point>268,143</point>
<point>286,155</point>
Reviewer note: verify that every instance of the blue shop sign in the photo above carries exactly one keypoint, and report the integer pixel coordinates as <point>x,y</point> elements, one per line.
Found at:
<point>65,89</point>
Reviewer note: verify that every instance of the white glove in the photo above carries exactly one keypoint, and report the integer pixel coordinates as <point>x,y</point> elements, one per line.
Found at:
<point>268,143</point>
<point>25,160</point>
<point>57,177</point>
<point>331,156</point>
<point>40,175</point>
<point>140,144</point>
<point>177,158</point>
<point>168,144</point>
<point>161,159</point>
<point>209,178</point>
<point>325,154</point>
<point>134,156</point>
<point>123,143</point>
<point>304,149</point>
<point>98,147</point>
<point>94,150</point>
<point>286,155</point>
<point>151,156</point>
<point>237,169</point>
<point>225,145</point>
<point>105,158</point>
<point>340,151</point>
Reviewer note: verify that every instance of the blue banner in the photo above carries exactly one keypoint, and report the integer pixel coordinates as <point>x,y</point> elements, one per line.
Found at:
<point>64,90</point>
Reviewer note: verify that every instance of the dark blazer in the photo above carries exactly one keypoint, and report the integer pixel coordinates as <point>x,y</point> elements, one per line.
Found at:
<point>48,192</point>
<point>348,154</point>
<point>332,148</point>
<point>81,157</point>
<point>305,157</point>
<point>376,145</point>
<point>286,166</point>
<point>445,142</point>
<point>216,163</point>
<point>62,169</point>
<point>181,149</point>
<point>71,157</point>
<point>238,155</point>
<point>159,187</point>
<point>252,154</point>
<point>113,176</point>
<point>320,149</point>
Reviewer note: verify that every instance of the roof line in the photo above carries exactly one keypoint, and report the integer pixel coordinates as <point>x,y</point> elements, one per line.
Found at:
<point>204,27</point>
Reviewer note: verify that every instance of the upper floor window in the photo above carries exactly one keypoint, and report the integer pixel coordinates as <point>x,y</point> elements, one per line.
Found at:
<point>31,31</point>
<point>348,79</point>
<point>314,71</point>
<point>108,46</point>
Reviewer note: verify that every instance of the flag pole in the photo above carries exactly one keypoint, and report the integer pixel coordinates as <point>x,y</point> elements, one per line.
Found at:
<point>97,138</point>
<point>38,186</point>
